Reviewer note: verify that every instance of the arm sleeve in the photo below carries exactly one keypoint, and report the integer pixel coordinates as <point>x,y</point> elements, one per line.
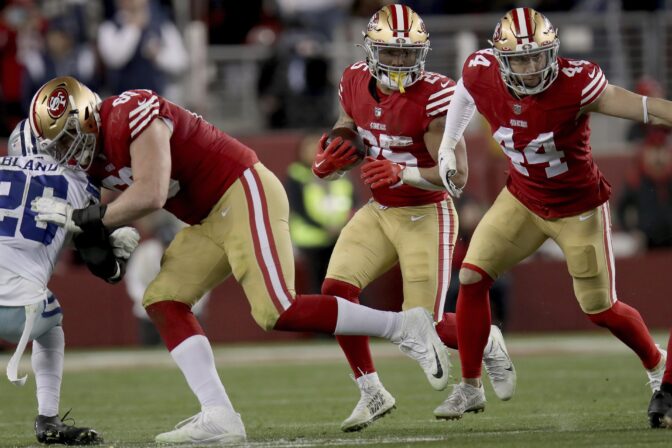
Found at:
<point>460,113</point>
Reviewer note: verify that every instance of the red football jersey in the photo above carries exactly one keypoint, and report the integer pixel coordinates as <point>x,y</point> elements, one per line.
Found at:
<point>204,160</point>
<point>551,167</point>
<point>394,126</point>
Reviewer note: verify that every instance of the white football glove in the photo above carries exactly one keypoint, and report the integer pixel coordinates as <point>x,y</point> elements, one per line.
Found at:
<point>56,211</point>
<point>453,189</point>
<point>447,166</point>
<point>124,240</point>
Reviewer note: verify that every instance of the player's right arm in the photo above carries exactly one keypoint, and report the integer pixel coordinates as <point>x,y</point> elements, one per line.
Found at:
<point>332,158</point>
<point>151,166</point>
<point>460,112</point>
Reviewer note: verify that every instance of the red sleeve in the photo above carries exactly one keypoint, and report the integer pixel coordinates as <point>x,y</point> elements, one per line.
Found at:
<point>440,93</point>
<point>588,79</point>
<point>132,112</point>
<point>346,86</point>
<point>476,66</point>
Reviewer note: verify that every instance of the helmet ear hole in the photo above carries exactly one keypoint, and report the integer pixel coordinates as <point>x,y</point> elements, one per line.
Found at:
<point>86,113</point>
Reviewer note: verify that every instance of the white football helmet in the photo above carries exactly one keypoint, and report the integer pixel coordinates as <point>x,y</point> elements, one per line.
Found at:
<point>64,117</point>
<point>524,32</point>
<point>22,142</point>
<point>396,43</point>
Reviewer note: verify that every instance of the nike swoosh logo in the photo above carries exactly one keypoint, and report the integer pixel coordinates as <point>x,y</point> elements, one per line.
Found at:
<point>439,369</point>
<point>318,164</point>
<point>225,211</point>
<point>592,74</point>
<point>585,217</point>
<point>510,368</point>
<point>445,84</point>
<point>417,218</point>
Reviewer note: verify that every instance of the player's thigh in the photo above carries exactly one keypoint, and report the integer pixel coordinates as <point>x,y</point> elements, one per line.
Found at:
<point>585,240</point>
<point>507,234</point>
<point>425,238</point>
<point>257,242</point>
<point>363,251</point>
<point>13,320</point>
<point>192,265</point>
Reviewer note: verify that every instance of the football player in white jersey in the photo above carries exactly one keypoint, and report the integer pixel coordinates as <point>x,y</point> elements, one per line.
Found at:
<point>28,252</point>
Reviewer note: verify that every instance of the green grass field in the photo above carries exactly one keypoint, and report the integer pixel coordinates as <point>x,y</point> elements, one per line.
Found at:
<point>578,392</point>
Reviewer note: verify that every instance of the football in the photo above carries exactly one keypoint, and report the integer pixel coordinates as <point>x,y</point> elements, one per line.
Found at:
<point>355,140</point>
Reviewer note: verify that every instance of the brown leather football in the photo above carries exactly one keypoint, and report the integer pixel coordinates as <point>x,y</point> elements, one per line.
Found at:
<point>353,137</point>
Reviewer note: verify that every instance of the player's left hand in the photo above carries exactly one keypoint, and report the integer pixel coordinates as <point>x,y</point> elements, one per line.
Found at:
<point>381,173</point>
<point>56,211</point>
<point>453,189</point>
<point>124,240</point>
<point>447,166</point>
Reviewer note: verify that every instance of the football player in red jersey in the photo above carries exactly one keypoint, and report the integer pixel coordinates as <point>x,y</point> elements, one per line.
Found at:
<point>399,110</point>
<point>538,106</point>
<point>161,155</point>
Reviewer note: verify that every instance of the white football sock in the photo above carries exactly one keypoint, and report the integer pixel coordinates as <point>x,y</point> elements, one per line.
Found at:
<point>354,319</point>
<point>369,378</point>
<point>47,361</point>
<point>195,359</point>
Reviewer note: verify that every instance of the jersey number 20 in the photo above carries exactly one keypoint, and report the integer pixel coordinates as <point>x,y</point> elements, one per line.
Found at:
<point>17,191</point>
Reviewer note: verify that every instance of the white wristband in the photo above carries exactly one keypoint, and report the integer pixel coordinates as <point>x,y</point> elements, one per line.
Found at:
<point>645,109</point>
<point>411,176</point>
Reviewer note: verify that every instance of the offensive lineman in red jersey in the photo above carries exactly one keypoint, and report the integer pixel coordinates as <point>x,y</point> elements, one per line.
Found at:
<point>538,105</point>
<point>399,111</point>
<point>161,155</point>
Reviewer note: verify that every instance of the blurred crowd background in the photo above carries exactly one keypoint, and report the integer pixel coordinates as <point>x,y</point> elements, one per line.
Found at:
<point>266,71</point>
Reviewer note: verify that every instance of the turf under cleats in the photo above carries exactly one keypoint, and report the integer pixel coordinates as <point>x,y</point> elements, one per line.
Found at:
<point>464,398</point>
<point>419,341</point>
<point>52,430</point>
<point>375,402</point>
<point>498,365</point>
<point>659,409</point>
<point>213,425</point>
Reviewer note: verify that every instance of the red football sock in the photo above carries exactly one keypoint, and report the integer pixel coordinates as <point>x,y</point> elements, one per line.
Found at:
<point>473,322</point>
<point>356,348</point>
<point>626,324</point>
<point>667,377</point>
<point>311,313</point>
<point>174,321</point>
<point>447,330</point>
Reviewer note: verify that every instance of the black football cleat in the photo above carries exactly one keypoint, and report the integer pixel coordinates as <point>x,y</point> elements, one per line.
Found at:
<point>660,404</point>
<point>51,430</point>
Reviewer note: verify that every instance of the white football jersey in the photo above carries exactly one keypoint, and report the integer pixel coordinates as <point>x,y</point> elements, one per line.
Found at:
<point>28,249</point>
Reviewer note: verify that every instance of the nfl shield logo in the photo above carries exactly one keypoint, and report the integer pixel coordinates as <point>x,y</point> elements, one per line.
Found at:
<point>517,109</point>
<point>377,111</point>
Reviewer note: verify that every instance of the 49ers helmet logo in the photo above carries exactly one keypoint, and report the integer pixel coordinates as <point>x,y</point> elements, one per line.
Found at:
<point>57,102</point>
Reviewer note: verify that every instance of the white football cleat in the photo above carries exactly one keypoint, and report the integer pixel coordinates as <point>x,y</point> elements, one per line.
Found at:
<point>656,374</point>
<point>464,398</point>
<point>375,402</point>
<point>419,341</point>
<point>498,365</point>
<point>214,424</point>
